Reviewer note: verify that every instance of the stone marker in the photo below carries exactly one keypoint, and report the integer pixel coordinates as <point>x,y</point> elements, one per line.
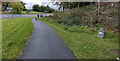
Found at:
<point>101,33</point>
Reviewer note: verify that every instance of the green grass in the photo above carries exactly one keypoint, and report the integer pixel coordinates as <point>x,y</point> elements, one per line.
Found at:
<point>15,34</point>
<point>0,39</point>
<point>84,42</point>
<point>34,12</point>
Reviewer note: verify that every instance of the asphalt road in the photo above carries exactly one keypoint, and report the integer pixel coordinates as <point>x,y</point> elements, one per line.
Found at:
<point>44,43</point>
<point>4,16</point>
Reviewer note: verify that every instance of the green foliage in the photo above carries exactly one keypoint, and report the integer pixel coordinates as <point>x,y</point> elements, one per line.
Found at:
<point>86,15</point>
<point>98,25</point>
<point>55,15</point>
<point>24,8</point>
<point>47,8</point>
<point>71,5</point>
<point>73,21</point>
<point>70,18</point>
<point>3,7</point>
<point>27,12</point>
<point>87,7</point>
<point>17,7</point>
<point>43,9</point>
<point>38,8</point>
<point>75,17</point>
<point>52,10</point>
<point>111,35</point>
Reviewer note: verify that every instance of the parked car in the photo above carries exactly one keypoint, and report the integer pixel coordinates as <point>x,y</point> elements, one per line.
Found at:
<point>41,15</point>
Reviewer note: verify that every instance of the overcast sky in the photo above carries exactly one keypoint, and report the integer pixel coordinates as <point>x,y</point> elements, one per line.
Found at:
<point>30,3</point>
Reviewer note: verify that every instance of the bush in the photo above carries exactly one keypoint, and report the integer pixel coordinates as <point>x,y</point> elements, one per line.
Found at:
<point>73,21</point>
<point>87,8</point>
<point>98,25</point>
<point>55,15</point>
<point>71,18</point>
<point>36,8</point>
<point>27,12</point>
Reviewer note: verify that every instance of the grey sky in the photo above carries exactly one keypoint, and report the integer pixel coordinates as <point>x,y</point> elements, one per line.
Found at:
<point>30,3</point>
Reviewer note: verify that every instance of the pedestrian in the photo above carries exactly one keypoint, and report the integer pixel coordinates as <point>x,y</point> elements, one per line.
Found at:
<point>38,16</point>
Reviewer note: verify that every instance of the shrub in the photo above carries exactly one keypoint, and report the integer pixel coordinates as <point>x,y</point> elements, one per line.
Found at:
<point>98,25</point>
<point>55,15</point>
<point>27,12</point>
<point>87,7</point>
<point>71,18</point>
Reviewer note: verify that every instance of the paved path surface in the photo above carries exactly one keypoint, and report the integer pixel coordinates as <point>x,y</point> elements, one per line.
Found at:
<point>4,16</point>
<point>45,44</point>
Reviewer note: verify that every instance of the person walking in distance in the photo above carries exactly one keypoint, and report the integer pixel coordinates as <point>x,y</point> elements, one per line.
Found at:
<point>38,16</point>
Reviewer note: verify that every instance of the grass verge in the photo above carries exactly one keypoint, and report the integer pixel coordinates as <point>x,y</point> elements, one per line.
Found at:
<point>0,39</point>
<point>84,42</point>
<point>15,34</point>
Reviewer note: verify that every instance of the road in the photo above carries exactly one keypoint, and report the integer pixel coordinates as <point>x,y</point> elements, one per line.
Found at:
<point>44,43</point>
<point>4,16</point>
